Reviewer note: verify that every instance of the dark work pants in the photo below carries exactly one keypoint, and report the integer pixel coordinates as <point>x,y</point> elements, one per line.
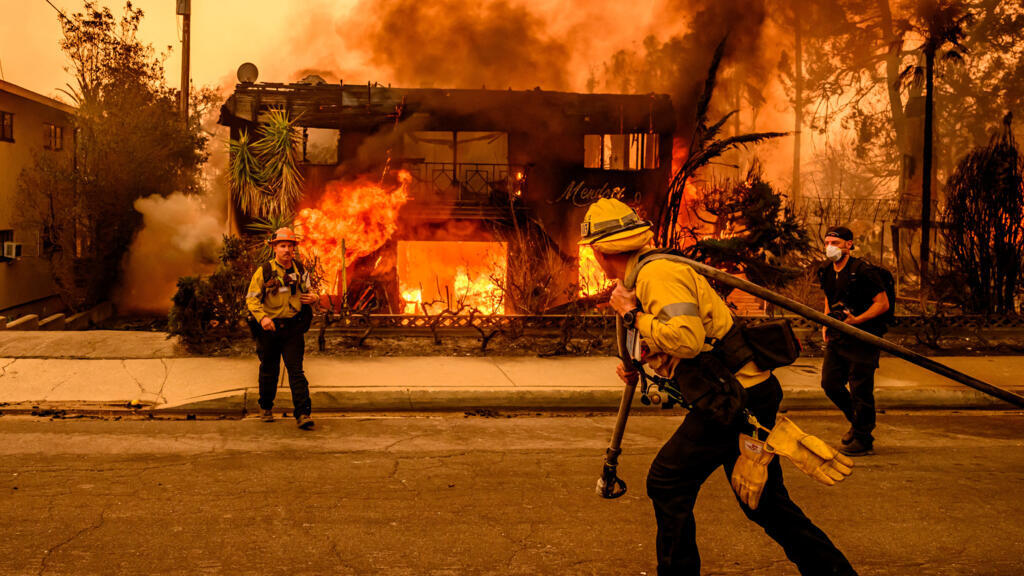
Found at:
<point>853,364</point>
<point>287,342</point>
<point>696,450</point>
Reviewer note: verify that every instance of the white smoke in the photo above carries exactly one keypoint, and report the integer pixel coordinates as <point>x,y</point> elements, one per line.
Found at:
<point>180,236</point>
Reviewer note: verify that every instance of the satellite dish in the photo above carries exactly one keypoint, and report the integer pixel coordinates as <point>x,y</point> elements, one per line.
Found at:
<point>248,73</point>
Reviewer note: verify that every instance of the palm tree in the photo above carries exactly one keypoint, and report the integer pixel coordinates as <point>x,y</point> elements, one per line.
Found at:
<point>265,178</point>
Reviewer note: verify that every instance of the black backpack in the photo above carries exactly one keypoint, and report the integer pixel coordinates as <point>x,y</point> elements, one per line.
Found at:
<point>888,284</point>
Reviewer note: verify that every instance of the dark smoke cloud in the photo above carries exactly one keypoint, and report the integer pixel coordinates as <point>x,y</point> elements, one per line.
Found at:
<point>457,43</point>
<point>678,65</point>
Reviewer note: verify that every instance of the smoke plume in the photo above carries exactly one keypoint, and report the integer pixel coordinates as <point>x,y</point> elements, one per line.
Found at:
<point>179,237</point>
<point>455,43</point>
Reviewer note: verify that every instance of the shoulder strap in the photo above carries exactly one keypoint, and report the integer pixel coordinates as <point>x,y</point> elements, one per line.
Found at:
<point>856,265</point>
<point>267,272</point>
<point>646,258</point>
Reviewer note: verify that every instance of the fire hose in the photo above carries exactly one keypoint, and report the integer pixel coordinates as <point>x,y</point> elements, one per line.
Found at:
<point>610,486</point>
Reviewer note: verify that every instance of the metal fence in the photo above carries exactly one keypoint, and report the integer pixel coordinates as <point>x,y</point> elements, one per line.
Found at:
<point>399,324</point>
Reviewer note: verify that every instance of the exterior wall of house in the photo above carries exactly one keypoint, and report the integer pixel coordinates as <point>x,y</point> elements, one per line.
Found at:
<point>26,283</point>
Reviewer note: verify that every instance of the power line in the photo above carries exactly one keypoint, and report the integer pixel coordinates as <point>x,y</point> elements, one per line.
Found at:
<point>59,11</point>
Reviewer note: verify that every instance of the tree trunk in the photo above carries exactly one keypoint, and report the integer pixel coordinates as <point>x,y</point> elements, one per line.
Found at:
<point>926,176</point>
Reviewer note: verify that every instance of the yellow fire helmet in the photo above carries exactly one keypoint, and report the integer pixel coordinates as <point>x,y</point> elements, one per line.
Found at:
<point>610,223</point>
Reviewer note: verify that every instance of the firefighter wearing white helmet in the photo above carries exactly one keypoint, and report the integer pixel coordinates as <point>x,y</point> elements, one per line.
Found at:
<point>279,302</point>
<point>674,319</point>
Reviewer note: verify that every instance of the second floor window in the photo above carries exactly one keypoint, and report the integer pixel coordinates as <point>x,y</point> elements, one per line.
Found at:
<point>637,151</point>
<point>7,126</point>
<point>53,137</point>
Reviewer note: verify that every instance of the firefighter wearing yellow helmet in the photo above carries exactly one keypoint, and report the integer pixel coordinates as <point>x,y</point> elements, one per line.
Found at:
<point>279,302</point>
<point>674,318</point>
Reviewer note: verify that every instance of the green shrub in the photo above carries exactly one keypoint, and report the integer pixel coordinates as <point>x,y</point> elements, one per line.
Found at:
<point>209,307</point>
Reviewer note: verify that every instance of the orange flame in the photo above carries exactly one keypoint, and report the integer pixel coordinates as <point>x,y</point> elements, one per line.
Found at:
<point>679,153</point>
<point>592,279</point>
<point>362,213</point>
<point>452,275</point>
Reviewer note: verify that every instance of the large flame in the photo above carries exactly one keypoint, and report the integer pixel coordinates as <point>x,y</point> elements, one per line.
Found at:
<point>362,213</point>
<point>459,276</point>
<point>680,151</point>
<point>592,279</point>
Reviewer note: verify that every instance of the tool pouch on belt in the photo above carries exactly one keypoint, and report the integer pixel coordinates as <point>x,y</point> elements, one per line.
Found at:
<point>772,342</point>
<point>708,384</point>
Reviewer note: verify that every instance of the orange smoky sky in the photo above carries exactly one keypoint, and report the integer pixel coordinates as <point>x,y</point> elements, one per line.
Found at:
<point>568,45</point>
<point>554,44</point>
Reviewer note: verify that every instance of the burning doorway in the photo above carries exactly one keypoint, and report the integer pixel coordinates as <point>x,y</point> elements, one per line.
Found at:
<point>458,276</point>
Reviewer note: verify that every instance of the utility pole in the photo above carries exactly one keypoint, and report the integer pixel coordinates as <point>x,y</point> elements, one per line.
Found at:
<point>185,11</point>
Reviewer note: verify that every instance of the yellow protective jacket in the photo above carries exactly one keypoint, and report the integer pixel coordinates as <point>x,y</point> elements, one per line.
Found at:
<point>680,309</point>
<point>278,301</point>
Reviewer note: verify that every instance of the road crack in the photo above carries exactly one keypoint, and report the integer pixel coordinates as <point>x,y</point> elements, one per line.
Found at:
<point>124,364</point>
<point>3,369</point>
<point>46,556</point>
<point>167,373</point>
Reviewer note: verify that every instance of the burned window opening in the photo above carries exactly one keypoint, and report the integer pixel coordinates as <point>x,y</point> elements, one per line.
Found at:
<point>637,151</point>
<point>461,166</point>
<point>320,146</point>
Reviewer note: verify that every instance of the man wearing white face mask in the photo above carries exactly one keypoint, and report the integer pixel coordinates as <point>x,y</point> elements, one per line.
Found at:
<point>855,293</point>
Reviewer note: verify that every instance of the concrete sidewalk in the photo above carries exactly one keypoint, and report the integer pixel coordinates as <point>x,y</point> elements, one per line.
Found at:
<point>106,371</point>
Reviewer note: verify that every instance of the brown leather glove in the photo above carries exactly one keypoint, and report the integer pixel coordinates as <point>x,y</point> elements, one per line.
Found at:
<point>751,470</point>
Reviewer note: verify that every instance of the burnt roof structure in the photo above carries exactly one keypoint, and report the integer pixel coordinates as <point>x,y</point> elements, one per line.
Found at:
<point>368,108</point>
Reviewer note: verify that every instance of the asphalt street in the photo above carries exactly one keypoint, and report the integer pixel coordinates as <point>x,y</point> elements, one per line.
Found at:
<point>453,494</point>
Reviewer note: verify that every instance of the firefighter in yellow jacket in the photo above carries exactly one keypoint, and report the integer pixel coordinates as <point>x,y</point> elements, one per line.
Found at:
<point>279,301</point>
<point>673,315</point>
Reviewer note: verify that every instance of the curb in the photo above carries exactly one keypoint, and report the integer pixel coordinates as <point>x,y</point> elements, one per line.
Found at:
<point>239,403</point>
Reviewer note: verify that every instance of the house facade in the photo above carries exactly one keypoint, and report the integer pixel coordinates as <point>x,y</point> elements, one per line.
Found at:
<point>30,124</point>
<point>483,163</point>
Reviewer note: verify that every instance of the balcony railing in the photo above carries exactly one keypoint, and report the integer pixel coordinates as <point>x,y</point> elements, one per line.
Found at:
<point>465,182</point>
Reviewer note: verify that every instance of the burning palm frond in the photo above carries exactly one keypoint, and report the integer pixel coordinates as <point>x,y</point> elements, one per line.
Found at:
<point>705,146</point>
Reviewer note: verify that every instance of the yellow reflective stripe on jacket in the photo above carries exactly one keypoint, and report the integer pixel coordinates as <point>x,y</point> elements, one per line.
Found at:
<point>680,310</point>
<point>670,311</point>
<point>663,287</point>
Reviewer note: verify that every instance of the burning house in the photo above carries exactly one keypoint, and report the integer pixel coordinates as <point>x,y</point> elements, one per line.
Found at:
<point>424,199</point>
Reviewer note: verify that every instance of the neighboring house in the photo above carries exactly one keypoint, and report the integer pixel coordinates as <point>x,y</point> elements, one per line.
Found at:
<point>30,124</point>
